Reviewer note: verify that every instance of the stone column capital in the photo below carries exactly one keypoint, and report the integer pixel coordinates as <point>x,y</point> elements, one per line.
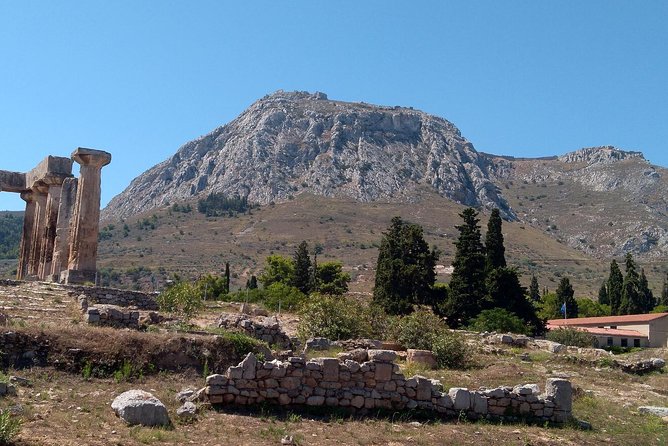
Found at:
<point>91,157</point>
<point>41,188</point>
<point>27,196</point>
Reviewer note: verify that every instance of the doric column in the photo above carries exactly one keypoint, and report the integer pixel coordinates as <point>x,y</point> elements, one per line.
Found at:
<point>37,239</point>
<point>82,263</point>
<point>61,245</point>
<point>49,234</point>
<point>26,236</point>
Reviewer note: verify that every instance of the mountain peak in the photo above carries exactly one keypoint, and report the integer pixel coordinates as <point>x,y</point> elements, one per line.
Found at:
<point>288,143</point>
<point>601,154</point>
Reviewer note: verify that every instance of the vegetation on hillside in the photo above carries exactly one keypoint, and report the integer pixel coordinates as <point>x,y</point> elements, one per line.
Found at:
<point>11,226</point>
<point>220,205</point>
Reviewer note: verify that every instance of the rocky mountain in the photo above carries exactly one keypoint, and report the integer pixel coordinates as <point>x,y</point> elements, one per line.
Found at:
<point>601,200</point>
<point>289,143</point>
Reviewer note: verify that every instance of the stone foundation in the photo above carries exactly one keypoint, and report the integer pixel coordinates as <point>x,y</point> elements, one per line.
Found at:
<point>378,384</point>
<point>266,329</point>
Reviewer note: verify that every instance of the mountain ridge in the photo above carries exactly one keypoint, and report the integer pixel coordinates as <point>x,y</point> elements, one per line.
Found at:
<point>288,143</point>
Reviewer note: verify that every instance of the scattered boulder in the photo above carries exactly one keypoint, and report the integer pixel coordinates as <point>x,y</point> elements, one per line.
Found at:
<point>317,344</point>
<point>140,407</point>
<point>382,355</point>
<point>187,411</point>
<point>644,366</point>
<point>550,346</point>
<point>654,410</point>
<point>358,355</point>
<point>185,395</point>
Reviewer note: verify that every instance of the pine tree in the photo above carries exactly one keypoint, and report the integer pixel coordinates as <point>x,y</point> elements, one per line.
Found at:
<point>405,271</point>
<point>603,297</point>
<point>302,273</point>
<point>615,282</point>
<point>534,290</point>
<point>467,285</point>
<point>646,296</point>
<point>494,249</point>
<point>565,295</point>
<point>632,300</point>
<point>251,284</point>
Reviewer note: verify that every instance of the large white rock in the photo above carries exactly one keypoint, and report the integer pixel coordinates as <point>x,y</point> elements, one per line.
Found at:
<point>139,407</point>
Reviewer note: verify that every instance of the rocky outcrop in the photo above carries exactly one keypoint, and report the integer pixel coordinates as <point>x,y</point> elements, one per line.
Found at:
<point>290,143</point>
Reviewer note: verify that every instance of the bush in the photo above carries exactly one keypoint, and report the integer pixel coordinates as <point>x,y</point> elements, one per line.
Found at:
<point>498,319</point>
<point>417,330</point>
<point>10,426</point>
<point>333,318</point>
<point>572,336</point>
<point>451,351</point>
<point>181,299</point>
<point>289,298</point>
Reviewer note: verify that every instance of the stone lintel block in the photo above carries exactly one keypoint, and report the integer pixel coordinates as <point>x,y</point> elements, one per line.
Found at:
<point>12,181</point>
<point>51,170</point>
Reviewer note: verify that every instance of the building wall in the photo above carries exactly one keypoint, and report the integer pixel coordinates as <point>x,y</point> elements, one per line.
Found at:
<point>659,332</point>
<point>617,341</point>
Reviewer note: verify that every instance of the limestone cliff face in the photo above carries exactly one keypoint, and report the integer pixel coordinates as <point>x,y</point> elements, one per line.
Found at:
<point>289,143</point>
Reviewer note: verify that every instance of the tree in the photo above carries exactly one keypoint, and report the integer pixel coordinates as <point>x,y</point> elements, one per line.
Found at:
<point>277,269</point>
<point>534,290</point>
<point>405,270</point>
<point>227,277</point>
<point>251,283</point>
<point>301,279</point>
<point>632,298</point>
<point>664,292</point>
<point>565,297</point>
<point>646,296</point>
<point>494,249</point>
<point>505,291</point>
<point>500,320</point>
<point>603,297</point>
<point>615,281</point>
<point>590,308</point>
<point>331,278</point>
<point>467,285</point>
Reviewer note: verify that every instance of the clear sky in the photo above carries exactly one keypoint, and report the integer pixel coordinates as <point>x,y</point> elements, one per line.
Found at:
<point>139,78</point>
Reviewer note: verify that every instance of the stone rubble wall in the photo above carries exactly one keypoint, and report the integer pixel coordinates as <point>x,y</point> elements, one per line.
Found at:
<point>19,350</point>
<point>114,296</point>
<point>379,384</point>
<point>266,329</point>
<point>116,316</point>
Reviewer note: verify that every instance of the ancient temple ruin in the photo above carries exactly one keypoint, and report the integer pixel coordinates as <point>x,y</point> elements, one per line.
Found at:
<point>62,217</point>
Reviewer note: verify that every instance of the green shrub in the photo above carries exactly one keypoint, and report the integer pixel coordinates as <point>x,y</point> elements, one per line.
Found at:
<point>417,330</point>
<point>572,336</point>
<point>451,351</point>
<point>333,318</point>
<point>288,298</point>
<point>181,299</point>
<point>10,426</point>
<point>498,319</point>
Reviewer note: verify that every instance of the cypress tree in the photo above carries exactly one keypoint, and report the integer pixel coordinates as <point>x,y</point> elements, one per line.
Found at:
<point>251,283</point>
<point>494,249</point>
<point>615,282</point>
<point>505,291</point>
<point>632,300</point>
<point>646,296</point>
<point>603,297</point>
<point>227,277</point>
<point>405,270</point>
<point>467,285</point>
<point>664,292</point>
<point>302,262</point>
<point>565,295</point>
<point>534,290</point>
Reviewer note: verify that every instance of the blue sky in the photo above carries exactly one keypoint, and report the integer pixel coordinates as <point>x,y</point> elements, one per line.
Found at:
<point>140,78</point>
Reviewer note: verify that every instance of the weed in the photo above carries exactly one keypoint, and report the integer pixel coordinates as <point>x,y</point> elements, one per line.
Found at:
<point>87,371</point>
<point>294,418</point>
<point>10,426</point>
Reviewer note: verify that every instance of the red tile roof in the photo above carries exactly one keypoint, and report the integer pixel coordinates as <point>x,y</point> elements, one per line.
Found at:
<point>608,320</point>
<point>605,331</point>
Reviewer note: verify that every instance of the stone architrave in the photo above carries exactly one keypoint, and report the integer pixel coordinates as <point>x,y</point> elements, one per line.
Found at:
<point>85,226</point>
<point>37,239</point>
<point>49,238</point>
<point>61,245</point>
<point>26,236</point>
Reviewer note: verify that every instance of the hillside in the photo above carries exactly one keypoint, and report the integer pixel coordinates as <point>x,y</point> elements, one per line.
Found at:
<point>159,243</point>
<point>11,226</point>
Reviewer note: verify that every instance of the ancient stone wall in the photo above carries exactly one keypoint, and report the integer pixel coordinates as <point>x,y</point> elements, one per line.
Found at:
<point>113,296</point>
<point>378,384</point>
<point>264,328</point>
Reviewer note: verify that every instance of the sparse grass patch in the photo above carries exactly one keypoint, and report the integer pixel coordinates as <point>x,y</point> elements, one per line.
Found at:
<point>10,426</point>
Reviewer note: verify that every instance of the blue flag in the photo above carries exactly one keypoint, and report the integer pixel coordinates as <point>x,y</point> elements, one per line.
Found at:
<point>563,308</point>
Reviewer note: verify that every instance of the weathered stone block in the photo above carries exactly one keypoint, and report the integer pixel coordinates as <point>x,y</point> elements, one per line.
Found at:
<point>382,355</point>
<point>560,392</point>
<point>461,398</point>
<point>315,401</point>
<point>383,371</point>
